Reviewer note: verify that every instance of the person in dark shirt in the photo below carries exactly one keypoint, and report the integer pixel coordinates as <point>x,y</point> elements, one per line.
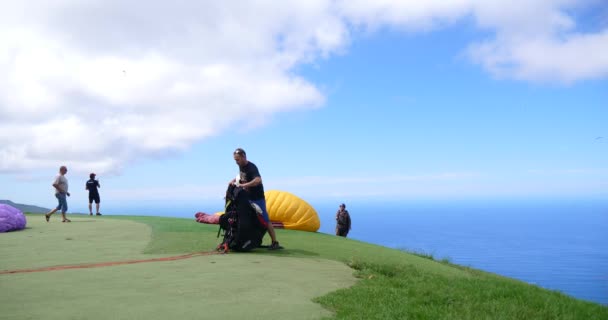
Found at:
<point>92,185</point>
<point>342,221</point>
<point>251,181</point>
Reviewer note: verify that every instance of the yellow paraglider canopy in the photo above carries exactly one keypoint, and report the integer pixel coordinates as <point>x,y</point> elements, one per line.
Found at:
<point>291,212</point>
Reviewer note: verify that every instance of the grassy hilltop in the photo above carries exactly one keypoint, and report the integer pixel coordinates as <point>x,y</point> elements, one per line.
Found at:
<point>316,276</point>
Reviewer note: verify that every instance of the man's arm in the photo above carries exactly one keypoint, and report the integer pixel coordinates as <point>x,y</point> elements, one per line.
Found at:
<point>256,181</point>
<point>56,185</point>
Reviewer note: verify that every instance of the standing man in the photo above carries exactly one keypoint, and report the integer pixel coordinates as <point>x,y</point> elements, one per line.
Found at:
<point>342,221</point>
<point>251,181</point>
<point>61,191</point>
<point>92,185</point>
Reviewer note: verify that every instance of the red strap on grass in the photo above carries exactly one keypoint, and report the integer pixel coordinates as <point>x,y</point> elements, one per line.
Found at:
<point>108,264</point>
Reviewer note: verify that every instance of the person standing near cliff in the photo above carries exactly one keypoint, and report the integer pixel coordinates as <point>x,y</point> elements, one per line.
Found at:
<point>61,191</point>
<point>92,186</point>
<point>342,221</point>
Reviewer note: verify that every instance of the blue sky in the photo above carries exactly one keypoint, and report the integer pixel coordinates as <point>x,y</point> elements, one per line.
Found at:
<point>371,105</point>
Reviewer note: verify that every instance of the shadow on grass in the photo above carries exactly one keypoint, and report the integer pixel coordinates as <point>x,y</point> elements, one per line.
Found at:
<point>287,252</point>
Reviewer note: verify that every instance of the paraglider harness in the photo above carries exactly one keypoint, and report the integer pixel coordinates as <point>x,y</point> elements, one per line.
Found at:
<point>343,219</point>
<point>242,222</point>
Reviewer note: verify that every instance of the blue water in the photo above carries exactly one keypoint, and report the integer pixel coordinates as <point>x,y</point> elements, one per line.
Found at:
<point>559,246</point>
<point>556,245</point>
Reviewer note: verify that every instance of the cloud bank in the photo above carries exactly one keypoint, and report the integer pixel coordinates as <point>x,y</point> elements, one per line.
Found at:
<point>101,83</point>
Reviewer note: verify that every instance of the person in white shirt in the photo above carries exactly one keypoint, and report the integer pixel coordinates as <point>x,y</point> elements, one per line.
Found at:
<point>61,191</point>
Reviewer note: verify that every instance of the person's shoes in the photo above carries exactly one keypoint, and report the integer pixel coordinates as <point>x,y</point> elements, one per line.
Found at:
<point>98,214</point>
<point>66,220</point>
<point>46,216</point>
<point>91,213</point>
<point>275,246</point>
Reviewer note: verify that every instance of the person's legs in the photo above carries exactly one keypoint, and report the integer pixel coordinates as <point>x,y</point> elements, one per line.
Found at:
<point>49,214</point>
<point>64,206</point>
<point>59,204</point>
<point>91,198</point>
<point>262,204</point>
<point>273,236</point>
<point>97,201</point>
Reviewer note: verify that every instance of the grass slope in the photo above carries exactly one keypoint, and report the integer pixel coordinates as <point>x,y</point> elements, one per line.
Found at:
<point>85,239</point>
<point>392,285</point>
<point>234,286</point>
<point>395,284</point>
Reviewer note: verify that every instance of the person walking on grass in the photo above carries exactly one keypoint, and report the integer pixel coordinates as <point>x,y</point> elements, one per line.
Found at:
<point>251,181</point>
<point>93,185</point>
<point>61,191</point>
<point>342,221</point>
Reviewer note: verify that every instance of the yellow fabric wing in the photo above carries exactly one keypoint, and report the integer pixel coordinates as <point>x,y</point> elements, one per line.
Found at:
<point>293,212</point>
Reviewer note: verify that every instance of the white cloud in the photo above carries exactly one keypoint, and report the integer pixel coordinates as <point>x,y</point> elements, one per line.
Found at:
<point>598,172</point>
<point>102,83</point>
<point>97,84</point>
<point>407,14</point>
<point>539,41</point>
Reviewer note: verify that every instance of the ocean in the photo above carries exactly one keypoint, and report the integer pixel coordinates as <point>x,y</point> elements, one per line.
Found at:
<point>559,245</point>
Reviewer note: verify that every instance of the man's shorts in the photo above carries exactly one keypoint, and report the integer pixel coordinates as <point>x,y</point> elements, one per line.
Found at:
<point>262,204</point>
<point>94,197</point>
<point>63,203</point>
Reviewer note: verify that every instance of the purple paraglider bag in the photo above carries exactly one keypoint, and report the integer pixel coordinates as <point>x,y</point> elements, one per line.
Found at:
<point>11,218</point>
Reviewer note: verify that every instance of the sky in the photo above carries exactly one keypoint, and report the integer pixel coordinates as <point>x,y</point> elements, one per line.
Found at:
<point>332,100</point>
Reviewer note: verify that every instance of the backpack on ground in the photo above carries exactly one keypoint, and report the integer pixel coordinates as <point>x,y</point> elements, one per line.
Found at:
<point>243,224</point>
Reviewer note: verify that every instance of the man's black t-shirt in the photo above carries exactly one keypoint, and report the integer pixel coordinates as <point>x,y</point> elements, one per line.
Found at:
<point>248,173</point>
<point>92,186</point>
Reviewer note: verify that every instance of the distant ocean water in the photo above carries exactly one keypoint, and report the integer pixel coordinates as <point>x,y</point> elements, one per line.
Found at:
<point>558,245</point>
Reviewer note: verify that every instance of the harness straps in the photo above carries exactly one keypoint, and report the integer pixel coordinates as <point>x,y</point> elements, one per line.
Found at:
<point>219,229</point>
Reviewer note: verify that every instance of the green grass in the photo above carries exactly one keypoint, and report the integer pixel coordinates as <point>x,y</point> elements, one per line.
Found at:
<point>395,284</point>
<point>392,284</point>
<point>232,286</point>
<point>407,292</point>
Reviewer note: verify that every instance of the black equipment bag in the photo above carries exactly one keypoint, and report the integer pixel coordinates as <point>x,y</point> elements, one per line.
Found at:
<point>244,227</point>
